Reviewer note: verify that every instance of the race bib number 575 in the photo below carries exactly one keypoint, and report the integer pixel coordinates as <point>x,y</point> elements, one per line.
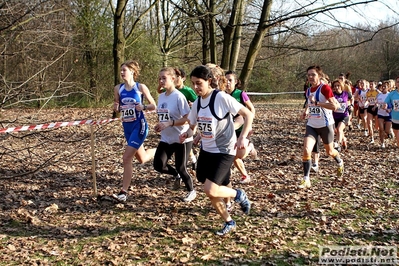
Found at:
<point>205,127</point>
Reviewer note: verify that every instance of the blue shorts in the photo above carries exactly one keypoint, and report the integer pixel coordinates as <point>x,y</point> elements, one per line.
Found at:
<point>135,132</point>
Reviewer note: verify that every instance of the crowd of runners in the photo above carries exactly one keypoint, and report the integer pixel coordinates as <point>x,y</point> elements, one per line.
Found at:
<point>334,106</point>
<point>217,116</point>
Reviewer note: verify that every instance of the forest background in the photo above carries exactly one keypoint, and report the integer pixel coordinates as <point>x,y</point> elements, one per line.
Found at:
<point>56,55</point>
<point>68,53</point>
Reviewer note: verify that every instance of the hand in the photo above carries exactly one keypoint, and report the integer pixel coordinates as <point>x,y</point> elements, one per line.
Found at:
<point>140,107</point>
<point>312,99</point>
<point>183,136</point>
<point>197,139</point>
<point>241,146</point>
<point>161,126</point>
<point>304,115</point>
<point>116,107</point>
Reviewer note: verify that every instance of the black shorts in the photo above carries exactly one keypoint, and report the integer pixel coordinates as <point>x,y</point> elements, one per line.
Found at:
<point>362,110</point>
<point>344,120</point>
<point>326,133</point>
<point>395,126</point>
<point>214,167</point>
<point>371,111</point>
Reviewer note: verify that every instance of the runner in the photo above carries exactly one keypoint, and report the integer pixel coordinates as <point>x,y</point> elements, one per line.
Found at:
<point>384,115</point>
<point>350,89</point>
<point>172,112</point>
<point>361,97</point>
<point>341,115</point>
<point>190,95</point>
<point>241,97</point>
<point>211,112</point>
<point>372,110</point>
<point>321,103</point>
<point>128,99</point>
<point>392,103</point>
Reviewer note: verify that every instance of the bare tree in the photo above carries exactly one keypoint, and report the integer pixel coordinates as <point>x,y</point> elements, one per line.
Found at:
<point>172,29</point>
<point>126,21</point>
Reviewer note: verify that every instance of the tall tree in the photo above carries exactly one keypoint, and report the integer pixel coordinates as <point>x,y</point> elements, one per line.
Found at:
<point>124,30</point>
<point>256,42</point>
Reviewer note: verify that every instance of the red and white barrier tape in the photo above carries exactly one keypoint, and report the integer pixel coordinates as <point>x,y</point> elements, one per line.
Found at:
<point>56,125</point>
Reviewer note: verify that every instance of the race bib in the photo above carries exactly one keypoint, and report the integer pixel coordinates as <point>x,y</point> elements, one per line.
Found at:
<point>205,128</point>
<point>342,108</point>
<point>396,105</point>
<point>314,112</point>
<point>128,113</point>
<point>163,115</point>
<point>371,101</point>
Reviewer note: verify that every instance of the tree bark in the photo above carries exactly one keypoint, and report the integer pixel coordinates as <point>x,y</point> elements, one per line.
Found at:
<point>118,50</point>
<point>236,45</point>
<point>256,43</point>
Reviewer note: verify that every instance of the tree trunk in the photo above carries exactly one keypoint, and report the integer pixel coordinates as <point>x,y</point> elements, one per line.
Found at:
<point>212,33</point>
<point>119,39</point>
<point>256,43</point>
<point>205,41</point>
<point>228,35</point>
<point>236,44</point>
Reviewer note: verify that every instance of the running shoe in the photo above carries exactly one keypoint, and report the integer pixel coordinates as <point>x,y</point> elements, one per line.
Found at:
<point>315,167</point>
<point>227,228</point>
<point>305,184</point>
<point>243,201</point>
<point>366,133</point>
<point>383,145</point>
<point>190,196</point>
<point>340,170</point>
<point>245,179</point>
<point>121,196</point>
<point>177,183</point>
<point>336,145</point>
<point>372,141</point>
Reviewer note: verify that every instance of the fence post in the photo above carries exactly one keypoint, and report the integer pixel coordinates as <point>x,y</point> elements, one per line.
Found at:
<point>93,160</point>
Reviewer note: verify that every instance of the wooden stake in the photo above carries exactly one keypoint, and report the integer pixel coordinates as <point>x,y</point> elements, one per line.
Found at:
<point>93,160</point>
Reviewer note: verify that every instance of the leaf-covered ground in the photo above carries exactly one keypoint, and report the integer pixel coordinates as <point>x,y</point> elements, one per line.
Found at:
<point>50,215</point>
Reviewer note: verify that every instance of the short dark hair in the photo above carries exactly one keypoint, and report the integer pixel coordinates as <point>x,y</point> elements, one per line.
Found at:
<point>202,72</point>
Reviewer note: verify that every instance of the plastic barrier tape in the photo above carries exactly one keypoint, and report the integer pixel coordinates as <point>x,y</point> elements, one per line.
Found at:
<point>56,125</point>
